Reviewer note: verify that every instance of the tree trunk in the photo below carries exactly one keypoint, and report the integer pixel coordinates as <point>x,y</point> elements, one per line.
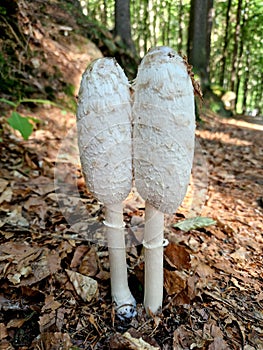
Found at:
<point>245,89</point>
<point>199,34</point>
<point>235,49</point>
<point>123,23</point>
<point>241,52</point>
<point>180,25</point>
<point>222,74</point>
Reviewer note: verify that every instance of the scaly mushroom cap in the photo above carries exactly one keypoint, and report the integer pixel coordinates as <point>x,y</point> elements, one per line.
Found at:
<point>164,127</point>
<point>104,130</point>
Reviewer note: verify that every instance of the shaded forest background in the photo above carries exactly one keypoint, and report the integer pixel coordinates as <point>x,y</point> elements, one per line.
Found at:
<point>222,39</point>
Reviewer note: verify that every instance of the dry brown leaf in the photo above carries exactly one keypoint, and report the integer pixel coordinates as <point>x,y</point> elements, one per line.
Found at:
<point>86,287</point>
<point>204,270</point>
<point>182,338</point>
<point>3,185</point>
<point>177,256</point>
<point>15,218</point>
<point>192,286</point>
<point>47,320</point>
<point>6,345</point>
<point>78,254</point>
<point>139,343</point>
<point>89,263</point>
<point>42,185</point>
<point>174,281</point>
<point>240,254</point>
<point>51,303</point>
<point>6,195</point>
<point>60,317</point>
<point>3,331</point>
<point>54,341</point>
<point>219,344</point>
<point>36,205</point>
<point>27,265</point>
<point>16,323</point>
<point>128,342</point>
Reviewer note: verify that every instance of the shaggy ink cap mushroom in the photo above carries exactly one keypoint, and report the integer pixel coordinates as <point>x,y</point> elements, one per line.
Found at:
<point>163,149</point>
<point>104,139</point>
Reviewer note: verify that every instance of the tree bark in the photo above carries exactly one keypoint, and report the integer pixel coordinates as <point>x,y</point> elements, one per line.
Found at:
<point>180,31</point>
<point>123,23</point>
<point>222,74</point>
<point>199,35</point>
<point>235,49</point>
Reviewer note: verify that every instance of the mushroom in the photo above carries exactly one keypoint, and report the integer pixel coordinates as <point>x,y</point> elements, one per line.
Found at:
<point>105,145</point>
<point>163,149</point>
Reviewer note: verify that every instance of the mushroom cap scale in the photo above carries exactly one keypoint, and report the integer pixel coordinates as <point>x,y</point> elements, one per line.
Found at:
<point>164,126</point>
<point>104,131</point>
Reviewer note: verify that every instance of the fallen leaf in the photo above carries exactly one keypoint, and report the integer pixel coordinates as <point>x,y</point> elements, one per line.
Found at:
<point>128,342</point>
<point>182,338</point>
<point>15,218</point>
<point>177,256</point>
<point>203,270</point>
<point>50,303</point>
<point>85,287</point>
<point>53,341</point>
<point>79,252</point>
<point>16,323</point>
<point>47,320</point>
<point>3,331</point>
<point>6,345</point>
<point>27,265</point>
<point>3,185</point>
<point>89,264</point>
<point>139,343</point>
<point>6,196</point>
<point>240,254</point>
<point>174,281</point>
<point>194,223</point>
<point>42,185</point>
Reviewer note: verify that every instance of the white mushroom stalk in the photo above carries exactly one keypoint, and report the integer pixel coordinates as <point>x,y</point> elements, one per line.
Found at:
<point>104,138</point>
<point>163,146</point>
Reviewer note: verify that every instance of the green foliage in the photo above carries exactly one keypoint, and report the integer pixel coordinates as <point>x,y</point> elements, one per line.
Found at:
<point>22,124</point>
<point>2,10</point>
<point>194,223</point>
<point>165,22</point>
<point>25,124</point>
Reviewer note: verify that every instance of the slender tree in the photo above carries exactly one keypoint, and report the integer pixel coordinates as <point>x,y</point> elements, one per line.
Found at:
<point>236,43</point>
<point>180,25</point>
<point>224,54</point>
<point>199,35</point>
<point>123,23</point>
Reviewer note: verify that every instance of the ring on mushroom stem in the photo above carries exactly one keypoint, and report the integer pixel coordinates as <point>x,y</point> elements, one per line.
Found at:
<point>163,149</point>
<point>105,145</point>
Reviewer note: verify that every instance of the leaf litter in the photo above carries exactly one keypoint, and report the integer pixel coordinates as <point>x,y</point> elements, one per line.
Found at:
<point>58,285</point>
<point>213,295</point>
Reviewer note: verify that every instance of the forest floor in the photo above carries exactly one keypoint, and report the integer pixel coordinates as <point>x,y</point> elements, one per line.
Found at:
<point>213,297</point>
<point>50,228</point>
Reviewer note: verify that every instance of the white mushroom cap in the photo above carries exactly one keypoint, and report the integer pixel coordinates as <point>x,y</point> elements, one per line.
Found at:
<point>104,130</point>
<point>164,125</point>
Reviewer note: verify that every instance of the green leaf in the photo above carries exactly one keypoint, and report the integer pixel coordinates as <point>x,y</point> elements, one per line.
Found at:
<point>8,102</point>
<point>194,223</point>
<point>20,123</point>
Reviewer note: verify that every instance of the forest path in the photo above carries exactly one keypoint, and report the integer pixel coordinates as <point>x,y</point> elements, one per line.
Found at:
<point>213,275</point>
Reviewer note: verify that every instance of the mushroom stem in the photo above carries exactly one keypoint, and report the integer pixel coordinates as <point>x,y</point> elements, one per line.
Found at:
<point>121,295</point>
<point>153,244</point>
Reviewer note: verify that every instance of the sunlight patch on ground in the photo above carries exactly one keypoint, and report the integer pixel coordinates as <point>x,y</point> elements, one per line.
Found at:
<point>223,137</point>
